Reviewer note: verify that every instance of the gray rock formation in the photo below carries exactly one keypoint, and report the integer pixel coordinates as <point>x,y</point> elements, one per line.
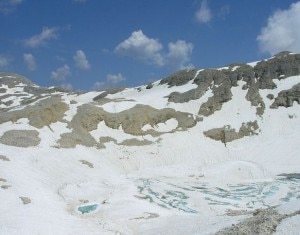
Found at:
<point>264,221</point>
<point>258,77</point>
<point>21,138</point>
<point>286,98</point>
<point>180,78</point>
<point>107,92</point>
<point>221,95</point>
<point>41,114</point>
<point>135,142</point>
<point>227,134</point>
<point>12,79</point>
<point>132,121</point>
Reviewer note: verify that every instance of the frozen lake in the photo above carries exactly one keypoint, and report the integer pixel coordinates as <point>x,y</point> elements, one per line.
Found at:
<point>192,196</point>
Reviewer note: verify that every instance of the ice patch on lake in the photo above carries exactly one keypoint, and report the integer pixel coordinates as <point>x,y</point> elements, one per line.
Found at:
<point>193,196</point>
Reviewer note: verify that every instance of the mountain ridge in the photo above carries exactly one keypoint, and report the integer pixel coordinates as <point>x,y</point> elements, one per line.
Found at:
<point>182,150</point>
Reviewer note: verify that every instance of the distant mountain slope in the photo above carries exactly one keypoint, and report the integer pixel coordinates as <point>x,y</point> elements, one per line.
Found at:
<point>143,158</point>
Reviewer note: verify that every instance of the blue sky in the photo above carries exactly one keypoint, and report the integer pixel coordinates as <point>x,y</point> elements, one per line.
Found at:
<point>93,44</point>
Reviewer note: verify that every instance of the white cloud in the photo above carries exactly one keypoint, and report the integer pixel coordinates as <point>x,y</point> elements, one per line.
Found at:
<point>115,78</point>
<point>29,61</point>
<point>61,73</point>
<point>7,6</point>
<point>81,61</point>
<point>139,46</point>
<point>40,39</point>
<point>4,61</point>
<point>282,31</point>
<point>179,54</point>
<point>147,49</point>
<point>204,14</point>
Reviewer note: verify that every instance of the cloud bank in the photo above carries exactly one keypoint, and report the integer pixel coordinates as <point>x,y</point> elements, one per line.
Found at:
<point>282,31</point>
<point>149,50</point>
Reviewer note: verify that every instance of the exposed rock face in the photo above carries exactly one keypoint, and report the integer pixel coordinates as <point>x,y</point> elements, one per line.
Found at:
<point>42,106</point>
<point>180,78</point>
<point>107,92</point>
<point>41,114</point>
<point>11,80</point>
<point>227,134</point>
<point>221,95</point>
<point>255,98</point>
<point>286,98</point>
<point>194,94</point>
<point>264,221</point>
<point>135,142</point>
<point>270,96</point>
<point>21,138</point>
<point>260,76</point>
<point>132,121</point>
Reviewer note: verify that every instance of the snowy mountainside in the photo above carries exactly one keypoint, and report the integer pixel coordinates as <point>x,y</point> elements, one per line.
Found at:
<point>192,153</point>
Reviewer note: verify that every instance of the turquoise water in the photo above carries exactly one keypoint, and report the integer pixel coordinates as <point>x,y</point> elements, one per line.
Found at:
<point>87,208</point>
<point>183,194</point>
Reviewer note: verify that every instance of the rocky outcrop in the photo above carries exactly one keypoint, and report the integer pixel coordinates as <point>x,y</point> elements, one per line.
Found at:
<point>131,121</point>
<point>41,114</point>
<point>221,81</point>
<point>135,142</point>
<point>12,79</point>
<point>227,134</point>
<point>193,94</point>
<point>107,92</point>
<point>255,98</point>
<point>180,78</point>
<point>263,221</point>
<point>221,95</point>
<point>21,138</point>
<point>286,98</point>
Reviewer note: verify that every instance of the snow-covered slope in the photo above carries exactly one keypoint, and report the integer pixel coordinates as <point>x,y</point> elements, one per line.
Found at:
<point>192,153</point>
